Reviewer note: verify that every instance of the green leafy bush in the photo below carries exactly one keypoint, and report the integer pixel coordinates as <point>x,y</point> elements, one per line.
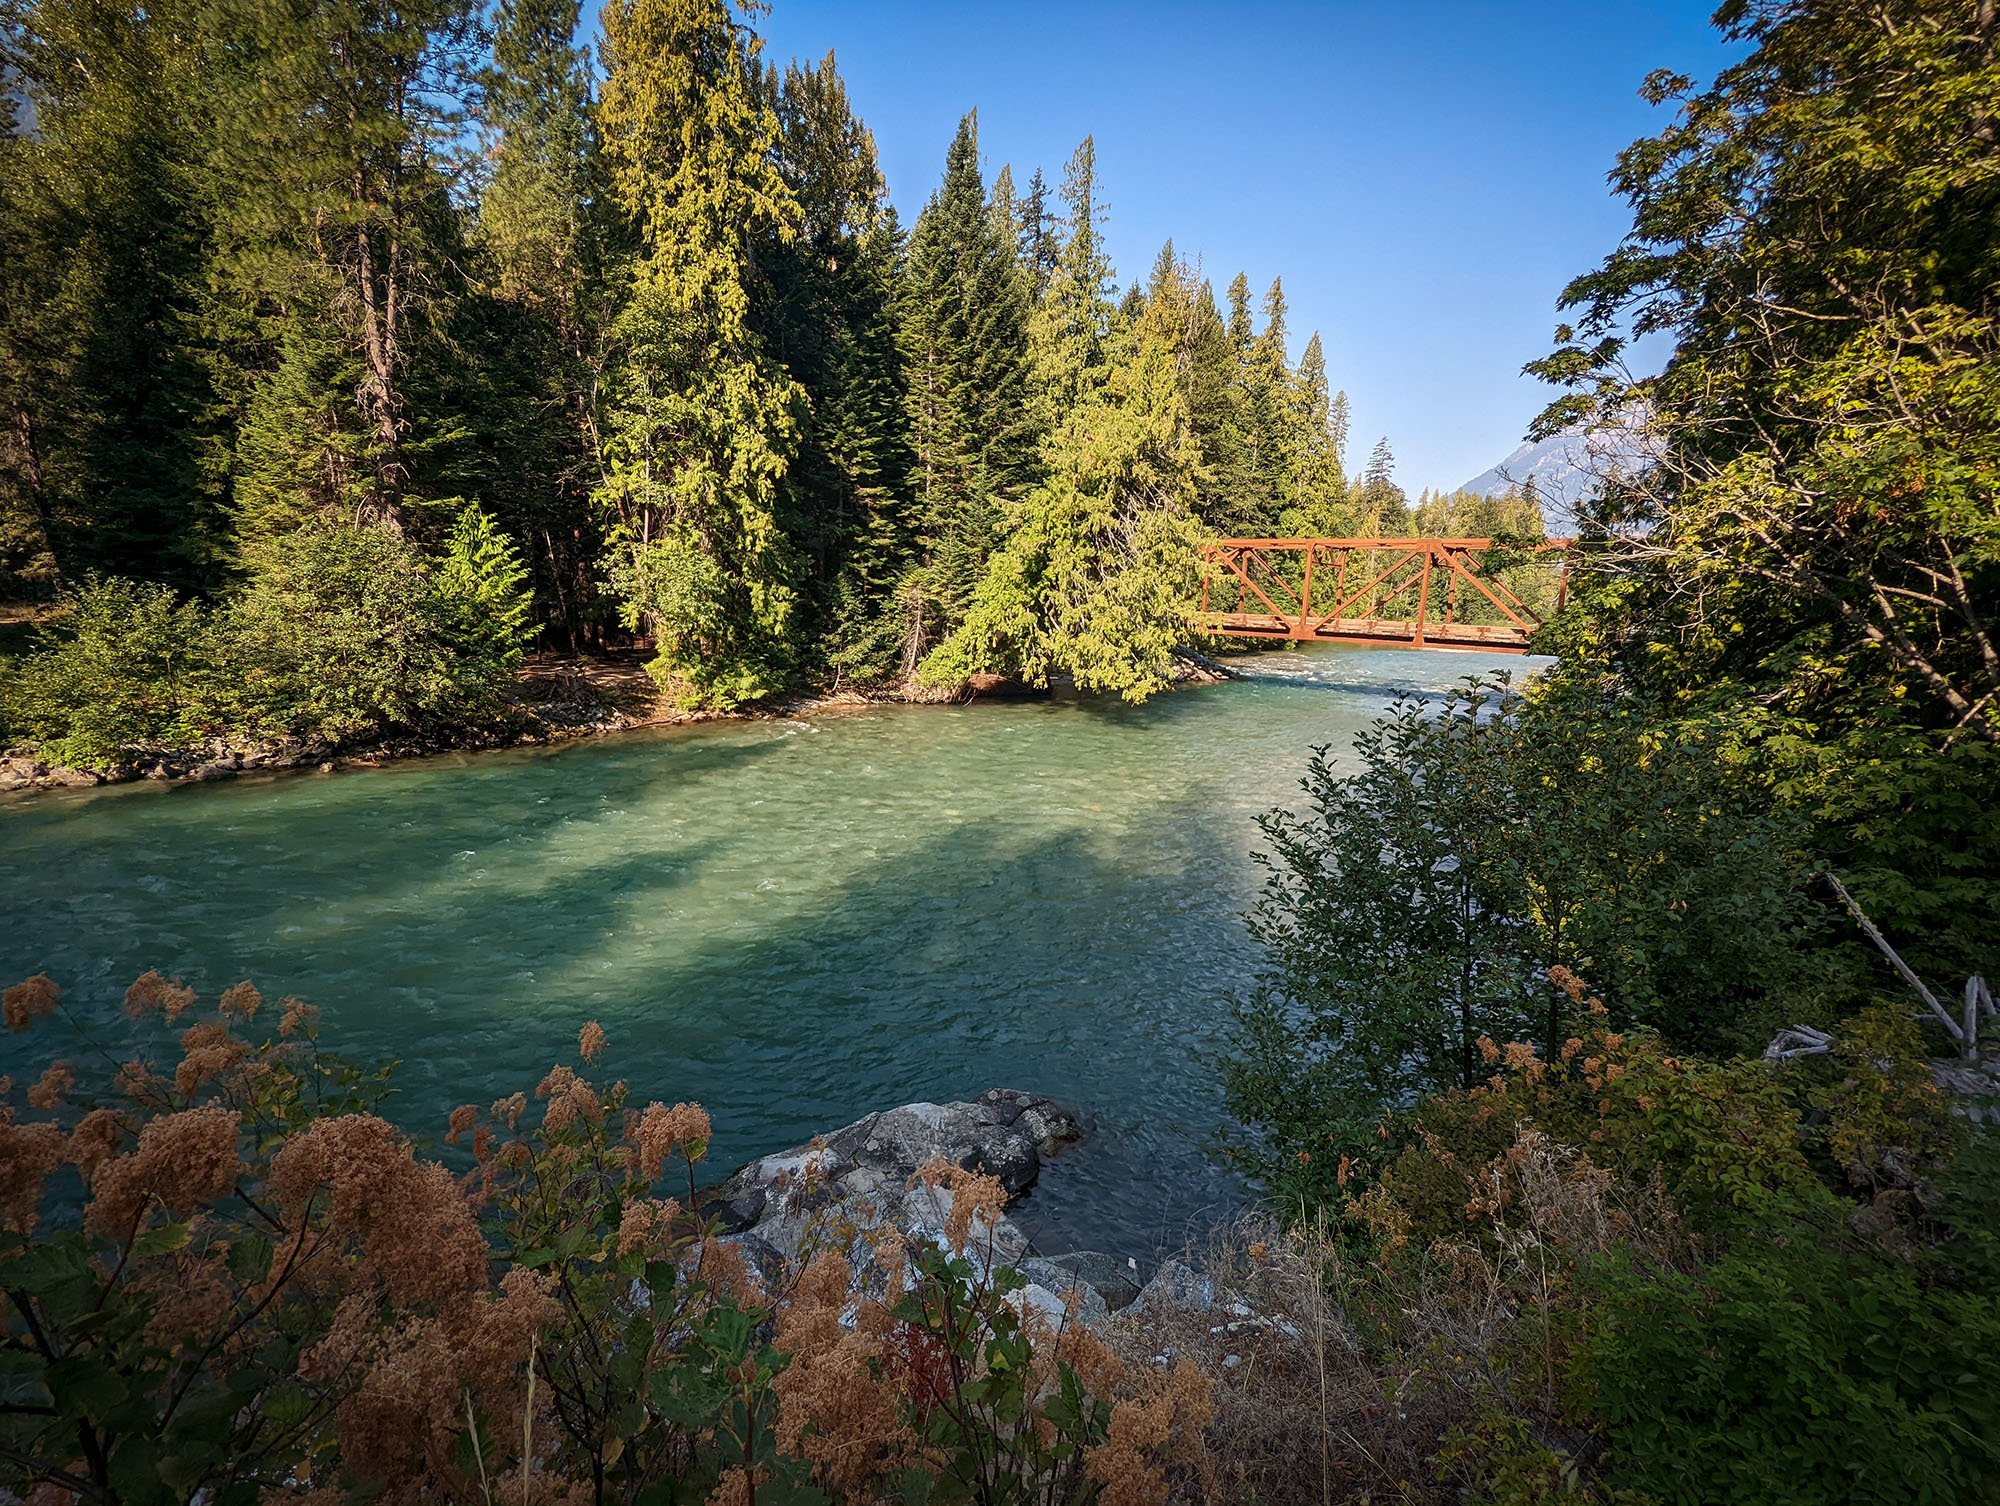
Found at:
<point>1793,1370</point>
<point>122,665</point>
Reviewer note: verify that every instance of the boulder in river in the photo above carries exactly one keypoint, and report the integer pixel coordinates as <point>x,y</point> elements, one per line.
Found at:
<point>846,1190</point>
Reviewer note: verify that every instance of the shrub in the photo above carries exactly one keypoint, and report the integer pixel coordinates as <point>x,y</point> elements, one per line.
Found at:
<point>122,666</point>
<point>1794,1371</point>
<point>348,633</point>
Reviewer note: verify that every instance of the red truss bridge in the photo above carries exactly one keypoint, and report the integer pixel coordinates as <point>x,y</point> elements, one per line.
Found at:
<point>1411,592</point>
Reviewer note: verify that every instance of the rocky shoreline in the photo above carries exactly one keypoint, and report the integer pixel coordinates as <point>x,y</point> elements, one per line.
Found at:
<point>846,1190</point>
<point>556,701</point>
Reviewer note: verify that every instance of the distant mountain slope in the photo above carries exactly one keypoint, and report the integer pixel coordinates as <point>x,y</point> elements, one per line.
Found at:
<point>1565,469</point>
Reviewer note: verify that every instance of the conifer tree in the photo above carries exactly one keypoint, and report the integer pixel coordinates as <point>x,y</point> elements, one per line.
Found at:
<point>1037,241</point>
<point>1070,326</point>
<point>1380,506</point>
<point>831,320</point>
<point>697,419</point>
<point>965,347</point>
<point>1317,484</point>
<point>342,141</point>
<point>105,382</point>
<point>532,337</point>
<point>1099,571</point>
<point>1210,378</point>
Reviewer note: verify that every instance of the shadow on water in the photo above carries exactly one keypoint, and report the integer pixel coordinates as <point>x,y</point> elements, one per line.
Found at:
<point>790,992</point>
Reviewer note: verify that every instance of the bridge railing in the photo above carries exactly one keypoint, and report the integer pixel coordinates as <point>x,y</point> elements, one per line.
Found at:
<point>1457,592</point>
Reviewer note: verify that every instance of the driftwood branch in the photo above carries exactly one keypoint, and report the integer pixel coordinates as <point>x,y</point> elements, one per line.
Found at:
<point>1965,1032</point>
<point>1798,1040</point>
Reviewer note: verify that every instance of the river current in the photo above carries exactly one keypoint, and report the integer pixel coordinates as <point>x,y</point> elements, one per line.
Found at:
<point>793,922</point>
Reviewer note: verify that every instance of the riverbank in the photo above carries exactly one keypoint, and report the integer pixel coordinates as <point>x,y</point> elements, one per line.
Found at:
<point>558,698</point>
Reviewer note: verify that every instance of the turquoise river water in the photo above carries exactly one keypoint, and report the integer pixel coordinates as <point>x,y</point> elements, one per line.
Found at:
<point>793,922</point>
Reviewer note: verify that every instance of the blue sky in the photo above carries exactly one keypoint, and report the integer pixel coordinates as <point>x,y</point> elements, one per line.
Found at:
<point>1424,176</point>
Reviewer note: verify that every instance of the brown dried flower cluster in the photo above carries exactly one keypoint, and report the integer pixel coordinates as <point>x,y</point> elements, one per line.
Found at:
<point>681,1130</point>
<point>26,1002</point>
<point>28,1154</point>
<point>47,1093</point>
<point>976,1199</point>
<point>153,992</point>
<point>182,1161</point>
<point>570,1098</point>
<point>590,1041</point>
<point>241,1001</point>
<point>209,1052</point>
<point>840,1407</point>
<point>1162,1426</point>
<point>646,1224</point>
<point>411,1224</point>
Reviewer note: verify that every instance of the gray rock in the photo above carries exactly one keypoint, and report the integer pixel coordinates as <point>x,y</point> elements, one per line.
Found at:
<point>1115,1280</point>
<point>1071,1291</point>
<point>1176,1286</point>
<point>847,1189</point>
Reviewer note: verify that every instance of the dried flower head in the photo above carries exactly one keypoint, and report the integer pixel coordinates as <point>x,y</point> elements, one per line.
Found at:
<point>570,1098</point>
<point>172,997</point>
<point>1568,982</point>
<point>412,1224</point>
<point>242,1001</point>
<point>28,1153</point>
<point>182,1161</point>
<point>1488,1052</point>
<point>28,1001</point>
<point>209,1051</point>
<point>94,1140</point>
<point>664,1131</point>
<point>47,1093</point>
<point>299,1018</point>
<point>462,1119</point>
<point>976,1199</point>
<point>646,1224</point>
<point>590,1041</point>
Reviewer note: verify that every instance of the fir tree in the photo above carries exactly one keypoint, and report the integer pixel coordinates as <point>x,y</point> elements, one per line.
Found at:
<point>831,321</point>
<point>1317,483</point>
<point>965,349</point>
<point>344,137</point>
<point>532,337</point>
<point>1069,328</point>
<point>697,419</point>
<point>1380,505</point>
<point>1099,570</point>
<point>104,220</point>
<point>1037,241</point>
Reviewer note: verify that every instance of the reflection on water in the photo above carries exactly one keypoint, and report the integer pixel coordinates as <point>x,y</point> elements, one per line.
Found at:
<point>793,922</point>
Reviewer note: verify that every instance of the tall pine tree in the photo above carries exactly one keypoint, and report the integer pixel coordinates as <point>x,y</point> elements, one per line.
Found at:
<point>698,420</point>
<point>965,318</point>
<point>532,336</point>
<point>831,320</point>
<point>104,227</point>
<point>344,142</point>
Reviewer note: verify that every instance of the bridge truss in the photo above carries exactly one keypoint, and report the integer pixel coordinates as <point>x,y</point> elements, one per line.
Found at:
<point>1419,592</point>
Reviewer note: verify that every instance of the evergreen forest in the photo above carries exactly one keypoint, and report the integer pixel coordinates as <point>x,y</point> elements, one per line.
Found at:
<point>585,344</point>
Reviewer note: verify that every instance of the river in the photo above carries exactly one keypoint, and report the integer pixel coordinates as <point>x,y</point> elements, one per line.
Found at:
<point>793,922</point>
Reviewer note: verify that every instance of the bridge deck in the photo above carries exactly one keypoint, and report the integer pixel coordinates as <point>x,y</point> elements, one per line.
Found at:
<point>1502,638</point>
